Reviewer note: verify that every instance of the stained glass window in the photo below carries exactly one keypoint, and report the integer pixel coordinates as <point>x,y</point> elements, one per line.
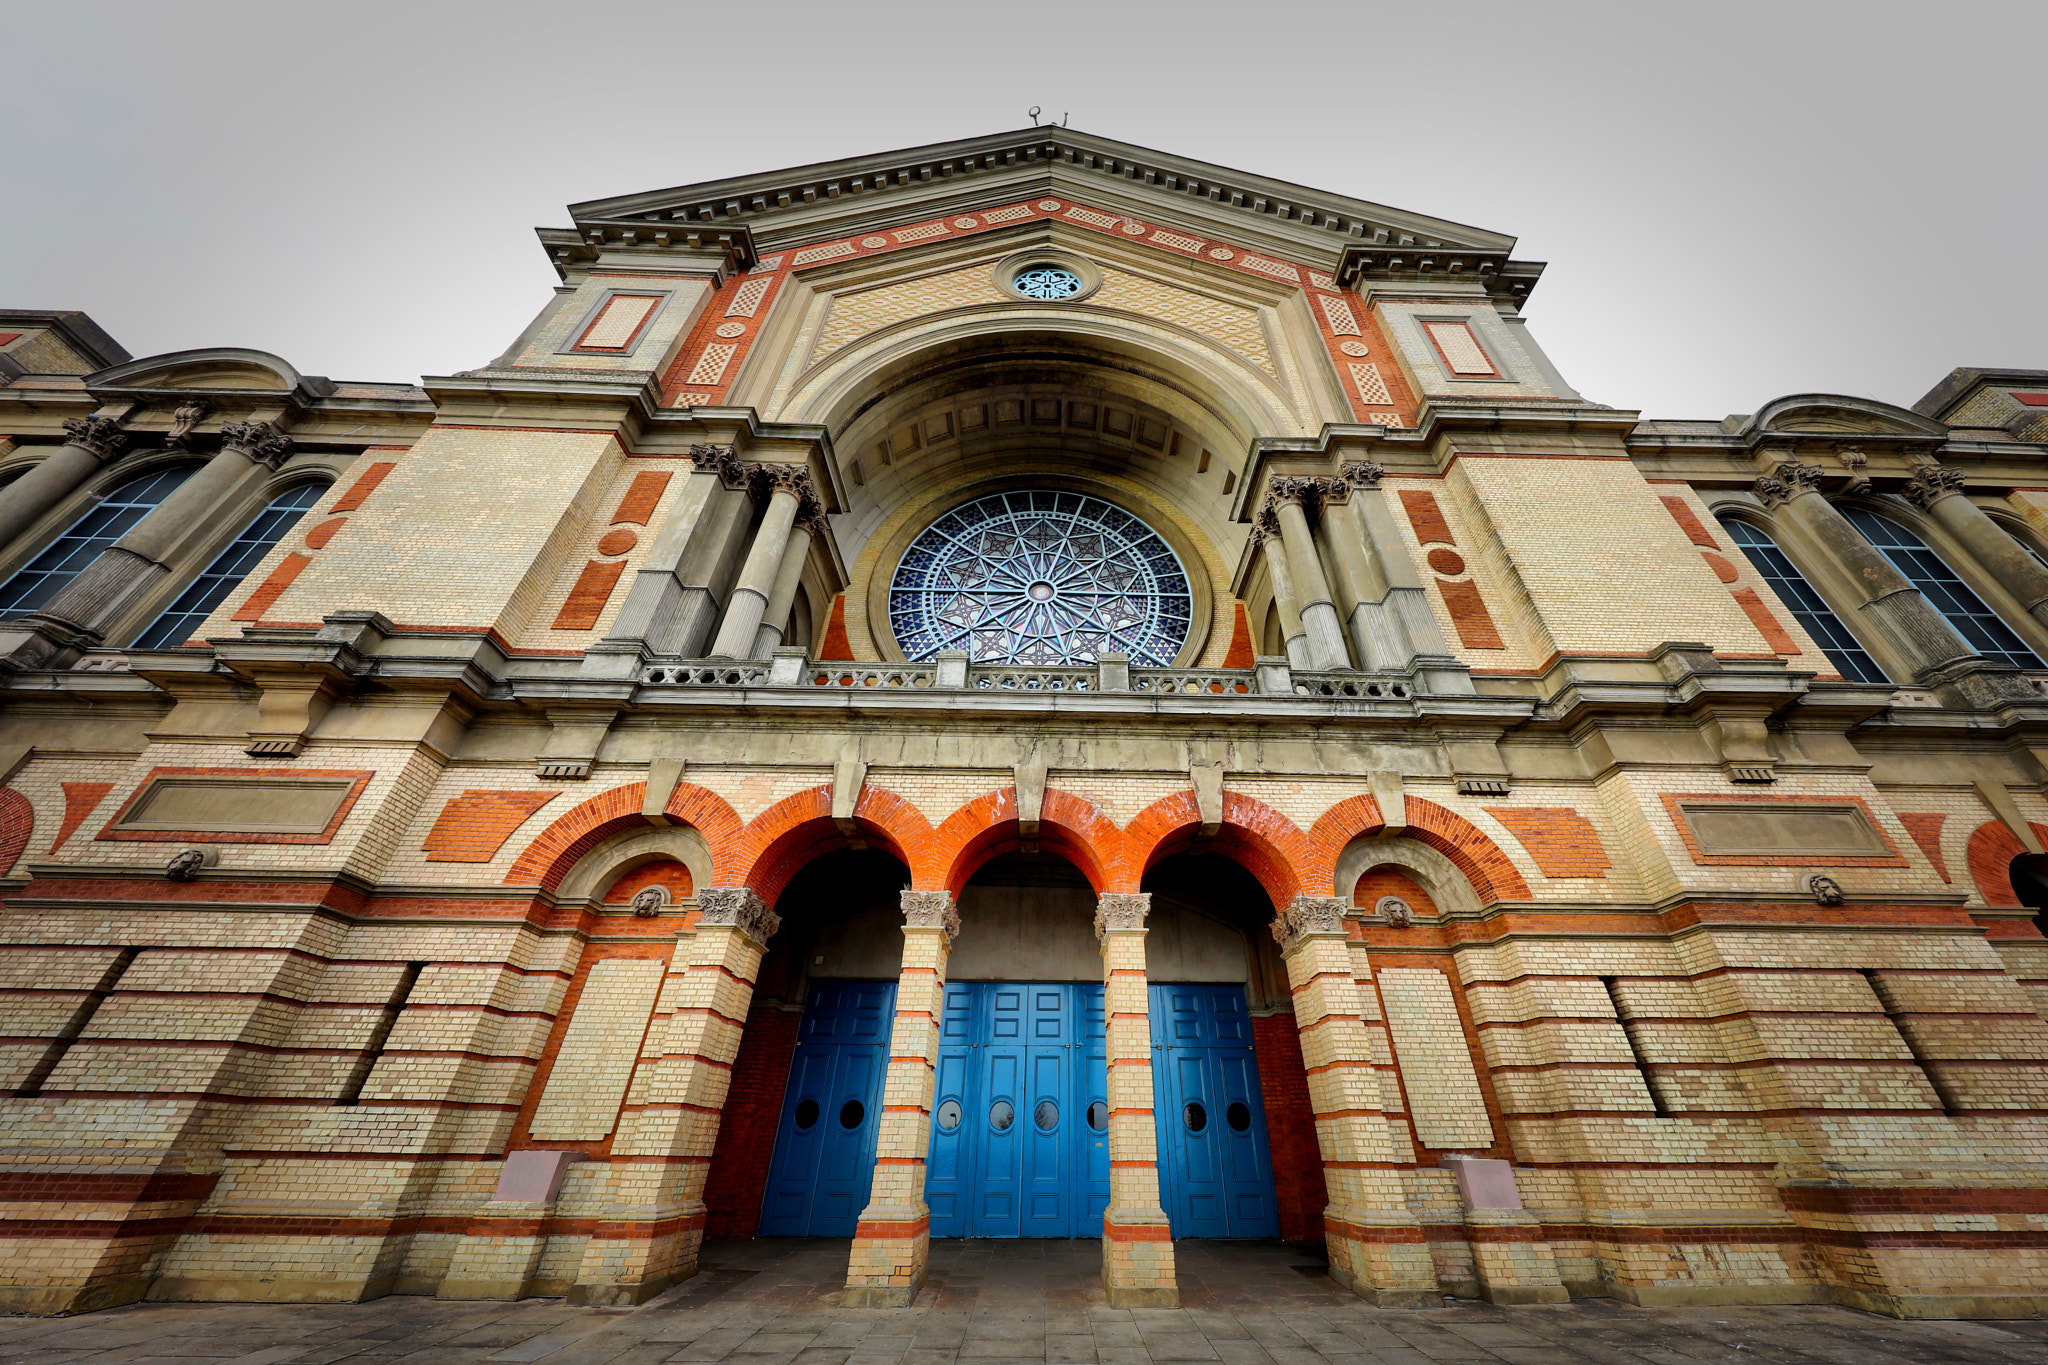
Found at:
<point>1041,578</point>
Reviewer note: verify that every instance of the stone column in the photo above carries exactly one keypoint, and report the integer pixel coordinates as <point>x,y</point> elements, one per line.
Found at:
<point>675,595</point>
<point>1377,637</point>
<point>1294,639</point>
<point>1137,1242</point>
<point>782,594</point>
<point>1376,1246</point>
<point>789,493</point>
<point>1318,610</point>
<point>892,1243</point>
<point>1940,491</point>
<point>104,587</point>
<point>1892,605</point>
<point>653,1221</point>
<point>92,442</point>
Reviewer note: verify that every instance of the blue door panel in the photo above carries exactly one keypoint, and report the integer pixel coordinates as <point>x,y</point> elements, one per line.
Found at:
<point>824,1161</point>
<point>1215,1171</point>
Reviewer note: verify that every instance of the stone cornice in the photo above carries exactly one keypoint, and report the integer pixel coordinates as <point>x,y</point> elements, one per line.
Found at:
<point>817,201</point>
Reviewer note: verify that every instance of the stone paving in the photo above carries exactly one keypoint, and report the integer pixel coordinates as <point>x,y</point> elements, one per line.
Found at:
<point>775,1302</point>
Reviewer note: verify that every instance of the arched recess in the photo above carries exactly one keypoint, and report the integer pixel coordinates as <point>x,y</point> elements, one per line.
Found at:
<point>1492,875</point>
<point>1995,854</point>
<point>782,840</point>
<point>631,848</point>
<point>987,827</point>
<point>1251,834</point>
<point>1436,874</point>
<point>557,850</point>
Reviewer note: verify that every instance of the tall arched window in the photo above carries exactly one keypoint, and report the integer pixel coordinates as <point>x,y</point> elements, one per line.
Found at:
<point>1807,606</point>
<point>79,546</point>
<point>208,590</point>
<point>1981,628</point>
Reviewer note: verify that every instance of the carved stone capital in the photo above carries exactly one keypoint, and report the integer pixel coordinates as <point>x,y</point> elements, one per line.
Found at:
<point>1799,477</point>
<point>263,443</point>
<point>931,910</point>
<point>741,908</point>
<point>1267,522</point>
<point>101,436</point>
<point>1121,910</point>
<point>1300,492</point>
<point>723,461</point>
<point>1363,473</point>
<point>813,523</point>
<point>1308,915</point>
<point>1332,492</point>
<point>1771,491</point>
<point>1932,482</point>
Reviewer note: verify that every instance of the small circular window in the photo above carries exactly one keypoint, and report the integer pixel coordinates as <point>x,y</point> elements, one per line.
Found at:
<point>1098,1116</point>
<point>1195,1117</point>
<point>850,1114</point>
<point>806,1114</point>
<point>949,1116</point>
<point>1238,1115</point>
<point>1001,1116</point>
<point>1046,1116</point>
<point>1046,282</point>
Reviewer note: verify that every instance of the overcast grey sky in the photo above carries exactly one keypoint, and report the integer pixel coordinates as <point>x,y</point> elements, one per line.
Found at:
<point>1736,200</point>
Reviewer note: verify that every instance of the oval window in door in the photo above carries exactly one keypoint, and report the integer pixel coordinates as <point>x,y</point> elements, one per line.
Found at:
<point>1098,1116</point>
<point>1046,1116</point>
<point>1238,1115</point>
<point>1001,1116</point>
<point>851,1113</point>
<point>1194,1116</point>
<point>806,1114</point>
<point>949,1116</point>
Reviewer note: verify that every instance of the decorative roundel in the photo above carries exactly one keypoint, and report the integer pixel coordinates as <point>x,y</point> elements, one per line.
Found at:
<point>966,222</point>
<point>1222,253</point>
<point>874,241</point>
<point>1135,229</point>
<point>1354,348</point>
<point>1042,578</point>
<point>1448,562</point>
<point>1049,205</point>
<point>617,542</point>
<point>1046,282</point>
<point>732,329</point>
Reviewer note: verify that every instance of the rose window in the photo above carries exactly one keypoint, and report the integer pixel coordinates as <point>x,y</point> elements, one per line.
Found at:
<point>1047,282</point>
<point>1041,578</point>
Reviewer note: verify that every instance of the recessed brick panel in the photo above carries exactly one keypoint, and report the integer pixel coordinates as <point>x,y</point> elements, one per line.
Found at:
<point>1469,614</point>
<point>586,600</point>
<point>1426,517</point>
<point>637,507</point>
<point>1563,842</point>
<point>472,827</point>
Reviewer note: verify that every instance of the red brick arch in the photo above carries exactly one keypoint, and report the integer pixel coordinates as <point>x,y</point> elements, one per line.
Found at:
<point>1492,875</point>
<point>780,841</point>
<point>1992,850</point>
<point>17,823</point>
<point>1068,826</point>
<point>1255,836</point>
<point>556,849</point>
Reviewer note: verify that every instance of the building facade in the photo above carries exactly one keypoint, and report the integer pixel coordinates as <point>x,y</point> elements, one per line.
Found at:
<point>1023,687</point>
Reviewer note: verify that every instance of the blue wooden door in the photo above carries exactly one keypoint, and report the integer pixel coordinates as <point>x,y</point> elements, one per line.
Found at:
<point>1215,1173</point>
<point>1019,1115</point>
<point>824,1160</point>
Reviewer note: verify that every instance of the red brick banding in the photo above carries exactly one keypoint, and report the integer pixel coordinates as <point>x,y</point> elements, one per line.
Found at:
<point>642,497</point>
<point>265,597</point>
<point>1469,614</point>
<point>1426,517</point>
<point>472,827</point>
<point>360,491</point>
<point>1926,832</point>
<point>1723,570</point>
<point>835,647</point>
<point>17,824</point>
<point>1681,512</point>
<point>1242,653</point>
<point>1766,624</point>
<point>555,850</point>
<point>317,538</point>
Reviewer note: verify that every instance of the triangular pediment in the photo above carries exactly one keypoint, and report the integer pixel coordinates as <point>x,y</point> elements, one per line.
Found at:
<point>803,204</point>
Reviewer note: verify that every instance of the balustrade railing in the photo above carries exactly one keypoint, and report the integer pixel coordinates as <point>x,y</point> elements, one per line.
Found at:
<point>1109,677</point>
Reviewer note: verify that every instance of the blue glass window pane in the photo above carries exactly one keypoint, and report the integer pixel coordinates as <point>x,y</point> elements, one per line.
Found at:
<point>1807,606</point>
<point>211,588</point>
<point>1983,629</point>
<point>81,544</point>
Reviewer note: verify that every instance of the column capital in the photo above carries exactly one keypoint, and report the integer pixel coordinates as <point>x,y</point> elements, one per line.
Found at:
<point>931,910</point>
<point>1786,482</point>
<point>1931,483</point>
<point>102,437</point>
<point>261,442</point>
<point>1121,910</point>
<point>1285,489</point>
<point>1363,473</point>
<point>1267,522</point>
<point>1306,915</point>
<point>740,907</point>
<point>723,461</point>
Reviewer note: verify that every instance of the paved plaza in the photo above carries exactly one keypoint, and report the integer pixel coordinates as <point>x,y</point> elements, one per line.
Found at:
<point>775,1302</point>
